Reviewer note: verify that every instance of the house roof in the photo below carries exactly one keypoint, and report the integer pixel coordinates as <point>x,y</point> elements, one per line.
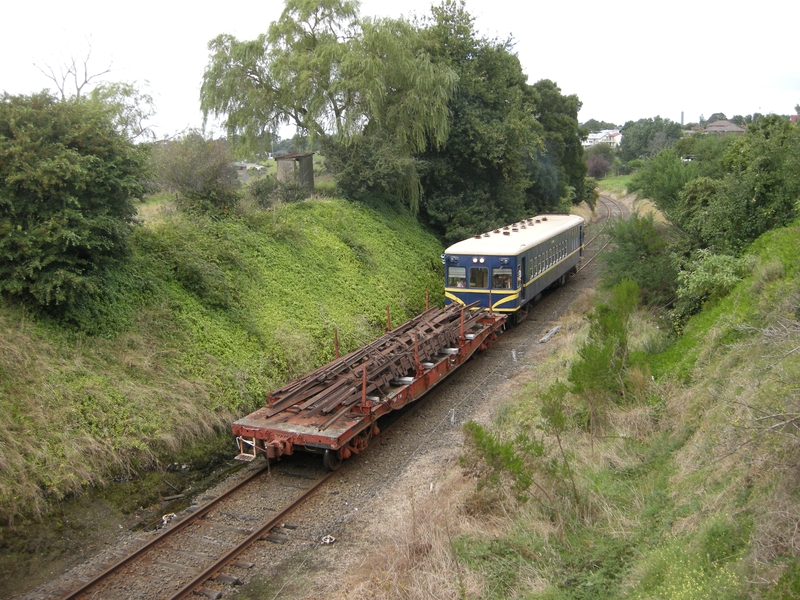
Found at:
<point>293,156</point>
<point>724,127</point>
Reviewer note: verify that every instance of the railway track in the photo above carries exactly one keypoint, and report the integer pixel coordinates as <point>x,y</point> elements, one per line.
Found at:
<point>198,552</point>
<point>613,209</point>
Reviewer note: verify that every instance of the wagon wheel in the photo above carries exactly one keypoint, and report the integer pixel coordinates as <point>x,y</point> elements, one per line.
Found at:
<point>331,459</point>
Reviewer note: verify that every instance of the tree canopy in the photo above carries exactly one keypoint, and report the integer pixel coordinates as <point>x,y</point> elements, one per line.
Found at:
<point>647,137</point>
<point>322,68</point>
<point>67,180</point>
<point>336,77</point>
<point>476,180</point>
<point>595,125</point>
<point>558,170</point>
<point>426,110</point>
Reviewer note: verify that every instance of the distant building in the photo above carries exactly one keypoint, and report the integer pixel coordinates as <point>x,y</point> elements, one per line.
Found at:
<point>243,166</point>
<point>609,137</point>
<point>724,128</point>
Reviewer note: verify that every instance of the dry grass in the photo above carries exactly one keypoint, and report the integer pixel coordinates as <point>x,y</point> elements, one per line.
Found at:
<point>157,209</point>
<point>583,210</point>
<point>86,419</point>
<point>418,560</point>
<point>642,206</point>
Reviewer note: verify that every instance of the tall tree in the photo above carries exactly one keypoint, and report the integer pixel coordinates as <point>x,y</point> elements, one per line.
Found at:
<point>558,169</point>
<point>334,76</point>
<point>477,180</point>
<point>647,137</point>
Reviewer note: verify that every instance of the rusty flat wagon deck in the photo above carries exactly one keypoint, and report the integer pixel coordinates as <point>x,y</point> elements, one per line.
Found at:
<point>333,410</point>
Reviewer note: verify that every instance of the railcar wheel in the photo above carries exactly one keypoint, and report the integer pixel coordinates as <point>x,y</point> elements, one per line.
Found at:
<point>331,460</point>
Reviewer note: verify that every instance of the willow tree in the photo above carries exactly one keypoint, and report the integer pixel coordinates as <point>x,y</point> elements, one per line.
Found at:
<point>336,77</point>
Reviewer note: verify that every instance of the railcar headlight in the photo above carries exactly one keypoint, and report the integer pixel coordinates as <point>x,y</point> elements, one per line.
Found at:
<point>480,261</point>
<point>474,260</point>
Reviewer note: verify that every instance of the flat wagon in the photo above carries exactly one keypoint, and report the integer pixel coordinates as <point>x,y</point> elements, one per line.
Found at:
<point>334,410</point>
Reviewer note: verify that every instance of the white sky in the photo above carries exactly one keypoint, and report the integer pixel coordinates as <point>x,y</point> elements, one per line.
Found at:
<point>624,59</point>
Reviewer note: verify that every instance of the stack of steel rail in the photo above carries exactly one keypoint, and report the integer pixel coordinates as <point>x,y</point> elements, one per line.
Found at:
<point>333,409</point>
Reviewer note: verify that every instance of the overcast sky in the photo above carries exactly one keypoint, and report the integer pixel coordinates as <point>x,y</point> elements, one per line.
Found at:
<point>624,59</point>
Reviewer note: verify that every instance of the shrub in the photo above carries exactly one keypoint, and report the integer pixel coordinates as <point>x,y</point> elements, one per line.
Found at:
<point>709,276</point>
<point>200,170</point>
<point>67,180</point>
<point>262,190</point>
<point>641,254</point>
<point>598,166</point>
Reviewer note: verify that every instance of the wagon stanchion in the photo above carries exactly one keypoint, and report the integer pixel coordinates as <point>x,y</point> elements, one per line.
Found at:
<point>426,299</point>
<point>388,320</point>
<point>461,338</point>
<point>364,386</point>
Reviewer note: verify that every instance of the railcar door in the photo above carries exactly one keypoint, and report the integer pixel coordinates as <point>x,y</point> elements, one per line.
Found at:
<point>521,270</point>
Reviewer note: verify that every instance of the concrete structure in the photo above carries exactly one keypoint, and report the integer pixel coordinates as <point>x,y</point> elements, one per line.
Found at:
<point>304,175</point>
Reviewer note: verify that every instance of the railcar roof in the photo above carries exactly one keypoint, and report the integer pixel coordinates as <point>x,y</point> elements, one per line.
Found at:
<point>517,237</point>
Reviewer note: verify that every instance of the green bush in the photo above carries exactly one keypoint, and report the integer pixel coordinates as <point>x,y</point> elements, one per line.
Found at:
<point>262,190</point>
<point>200,170</point>
<point>709,276</point>
<point>641,253</point>
<point>67,181</point>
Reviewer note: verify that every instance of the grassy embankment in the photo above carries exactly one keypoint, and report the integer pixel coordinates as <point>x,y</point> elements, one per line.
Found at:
<point>205,318</point>
<point>683,487</point>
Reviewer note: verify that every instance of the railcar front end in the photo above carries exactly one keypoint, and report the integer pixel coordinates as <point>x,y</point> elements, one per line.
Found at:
<point>507,268</point>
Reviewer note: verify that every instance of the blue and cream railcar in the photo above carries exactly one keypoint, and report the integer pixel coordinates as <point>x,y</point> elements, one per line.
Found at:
<point>513,265</point>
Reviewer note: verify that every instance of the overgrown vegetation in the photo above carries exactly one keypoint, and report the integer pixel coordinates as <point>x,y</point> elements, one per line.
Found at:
<point>717,194</point>
<point>68,179</point>
<point>199,171</point>
<point>199,324</point>
<point>634,465</point>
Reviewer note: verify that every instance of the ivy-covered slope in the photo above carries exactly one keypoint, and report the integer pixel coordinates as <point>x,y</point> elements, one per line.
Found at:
<point>204,319</point>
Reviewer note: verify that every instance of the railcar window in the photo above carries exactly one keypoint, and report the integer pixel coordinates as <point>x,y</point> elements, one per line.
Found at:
<point>501,279</point>
<point>457,277</point>
<point>479,277</point>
